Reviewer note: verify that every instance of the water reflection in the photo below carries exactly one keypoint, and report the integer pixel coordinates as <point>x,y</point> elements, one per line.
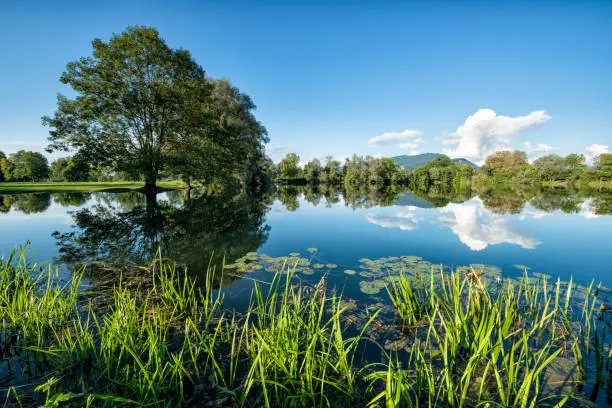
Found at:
<point>194,231</point>
<point>129,227</point>
<point>477,227</point>
<point>406,220</point>
<point>499,200</point>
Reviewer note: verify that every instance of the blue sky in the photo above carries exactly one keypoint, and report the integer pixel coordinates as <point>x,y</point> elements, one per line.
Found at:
<point>336,78</point>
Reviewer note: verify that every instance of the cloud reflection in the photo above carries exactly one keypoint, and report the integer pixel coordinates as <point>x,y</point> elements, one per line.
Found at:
<point>478,228</point>
<point>404,219</point>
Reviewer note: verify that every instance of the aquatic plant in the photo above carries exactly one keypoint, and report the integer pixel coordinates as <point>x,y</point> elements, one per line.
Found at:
<point>482,345</point>
<point>154,337</point>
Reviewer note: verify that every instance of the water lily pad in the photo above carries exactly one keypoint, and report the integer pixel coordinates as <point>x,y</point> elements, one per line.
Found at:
<point>411,259</point>
<point>318,266</point>
<point>306,271</point>
<point>331,265</point>
<point>366,274</point>
<point>522,267</point>
<point>350,272</point>
<point>369,288</point>
<point>294,254</point>
<point>378,283</point>
<point>312,250</point>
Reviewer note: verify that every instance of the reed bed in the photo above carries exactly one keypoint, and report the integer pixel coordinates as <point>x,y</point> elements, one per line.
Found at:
<point>166,342</point>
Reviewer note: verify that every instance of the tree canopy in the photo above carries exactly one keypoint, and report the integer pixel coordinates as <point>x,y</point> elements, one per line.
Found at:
<point>142,107</point>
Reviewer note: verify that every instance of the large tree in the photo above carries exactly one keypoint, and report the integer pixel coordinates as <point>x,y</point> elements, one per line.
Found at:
<point>140,103</point>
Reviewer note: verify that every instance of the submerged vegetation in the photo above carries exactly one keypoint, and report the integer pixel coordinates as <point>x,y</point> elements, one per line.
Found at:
<point>153,336</point>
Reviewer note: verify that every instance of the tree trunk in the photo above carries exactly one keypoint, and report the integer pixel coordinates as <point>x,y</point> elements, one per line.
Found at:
<point>151,196</point>
<point>150,181</point>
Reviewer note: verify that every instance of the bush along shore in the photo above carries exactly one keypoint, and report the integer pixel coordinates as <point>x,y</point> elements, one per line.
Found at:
<point>153,336</point>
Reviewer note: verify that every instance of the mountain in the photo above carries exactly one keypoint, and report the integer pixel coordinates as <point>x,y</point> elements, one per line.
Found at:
<point>418,160</point>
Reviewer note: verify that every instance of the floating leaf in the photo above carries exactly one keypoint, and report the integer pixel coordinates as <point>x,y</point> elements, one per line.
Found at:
<point>366,274</point>
<point>369,288</point>
<point>350,272</point>
<point>331,266</point>
<point>318,266</point>
<point>312,250</point>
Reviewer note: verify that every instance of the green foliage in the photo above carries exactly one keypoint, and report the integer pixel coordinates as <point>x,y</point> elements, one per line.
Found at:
<point>441,177</point>
<point>553,168</point>
<point>71,169</point>
<point>506,162</point>
<point>7,168</point>
<point>288,168</point>
<point>576,164</point>
<point>332,173</point>
<point>603,166</point>
<point>312,171</point>
<point>25,166</point>
<point>142,106</point>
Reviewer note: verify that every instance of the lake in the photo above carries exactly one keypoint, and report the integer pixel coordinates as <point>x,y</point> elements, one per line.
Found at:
<point>554,233</point>
<point>352,242</point>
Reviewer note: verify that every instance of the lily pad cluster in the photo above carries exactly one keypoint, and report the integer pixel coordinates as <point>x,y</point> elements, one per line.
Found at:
<point>253,261</point>
<point>393,265</point>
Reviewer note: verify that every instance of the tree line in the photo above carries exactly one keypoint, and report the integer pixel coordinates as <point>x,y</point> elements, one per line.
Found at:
<point>442,173</point>
<point>512,167</point>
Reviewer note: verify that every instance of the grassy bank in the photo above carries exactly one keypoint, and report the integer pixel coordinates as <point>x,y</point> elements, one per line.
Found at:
<point>84,186</point>
<point>152,338</point>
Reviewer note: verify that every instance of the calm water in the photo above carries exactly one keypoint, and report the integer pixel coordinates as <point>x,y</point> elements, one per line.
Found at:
<point>554,233</point>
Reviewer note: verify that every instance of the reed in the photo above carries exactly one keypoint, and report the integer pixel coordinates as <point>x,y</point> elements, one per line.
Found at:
<point>485,343</point>
<point>164,341</point>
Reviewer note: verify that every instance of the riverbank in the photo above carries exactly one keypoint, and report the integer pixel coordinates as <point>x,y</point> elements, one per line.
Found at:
<point>50,186</point>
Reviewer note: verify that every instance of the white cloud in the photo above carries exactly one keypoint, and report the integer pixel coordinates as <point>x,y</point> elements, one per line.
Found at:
<point>538,148</point>
<point>486,132</point>
<point>408,135</point>
<point>405,220</point>
<point>595,150</point>
<point>408,145</point>
<point>478,228</point>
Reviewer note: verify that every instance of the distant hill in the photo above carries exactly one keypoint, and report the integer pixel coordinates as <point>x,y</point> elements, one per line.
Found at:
<point>418,160</point>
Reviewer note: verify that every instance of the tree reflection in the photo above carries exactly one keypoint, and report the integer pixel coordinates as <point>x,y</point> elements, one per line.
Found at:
<point>602,203</point>
<point>67,199</point>
<point>129,228</point>
<point>506,199</point>
<point>27,203</point>
<point>550,200</point>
